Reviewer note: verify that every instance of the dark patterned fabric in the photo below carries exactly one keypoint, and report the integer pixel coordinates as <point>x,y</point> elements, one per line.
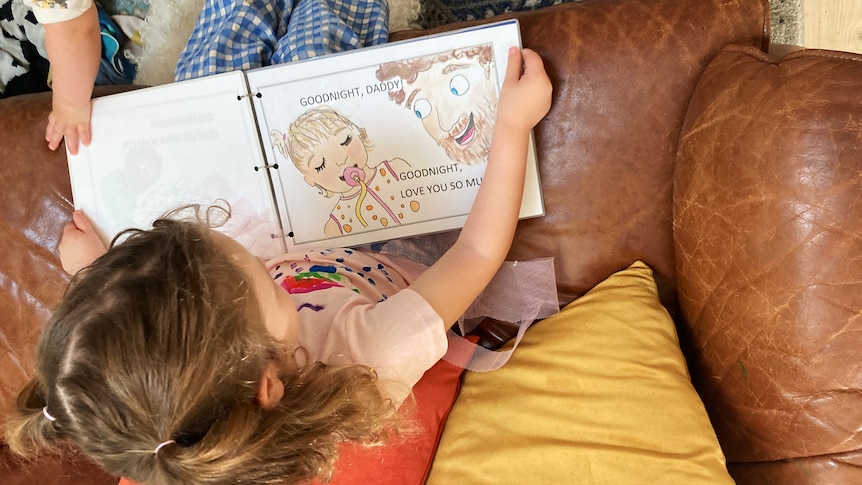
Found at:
<point>439,12</point>
<point>23,68</point>
<point>138,8</point>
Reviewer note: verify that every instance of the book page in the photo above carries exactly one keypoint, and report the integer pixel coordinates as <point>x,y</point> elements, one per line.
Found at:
<point>157,149</point>
<point>387,141</point>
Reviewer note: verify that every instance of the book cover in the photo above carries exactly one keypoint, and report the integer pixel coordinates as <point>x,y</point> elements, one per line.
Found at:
<point>347,149</point>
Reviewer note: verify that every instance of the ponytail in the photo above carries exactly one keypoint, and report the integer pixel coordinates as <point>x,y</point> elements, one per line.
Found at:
<point>31,431</point>
<point>295,441</point>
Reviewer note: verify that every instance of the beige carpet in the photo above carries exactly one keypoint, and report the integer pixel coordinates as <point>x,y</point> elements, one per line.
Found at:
<point>786,21</point>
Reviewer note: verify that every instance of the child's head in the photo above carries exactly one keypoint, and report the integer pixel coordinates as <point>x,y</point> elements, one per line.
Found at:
<point>322,143</point>
<point>162,341</point>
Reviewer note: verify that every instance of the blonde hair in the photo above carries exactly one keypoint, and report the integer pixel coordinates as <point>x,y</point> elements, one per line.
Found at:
<point>161,340</point>
<point>311,129</point>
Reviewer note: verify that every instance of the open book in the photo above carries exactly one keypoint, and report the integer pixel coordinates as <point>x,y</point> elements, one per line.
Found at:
<point>342,150</point>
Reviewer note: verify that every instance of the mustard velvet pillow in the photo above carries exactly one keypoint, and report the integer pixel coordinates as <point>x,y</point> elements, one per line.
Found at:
<point>598,394</point>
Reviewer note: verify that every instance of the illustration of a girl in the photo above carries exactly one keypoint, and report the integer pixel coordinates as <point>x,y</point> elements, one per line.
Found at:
<point>332,154</point>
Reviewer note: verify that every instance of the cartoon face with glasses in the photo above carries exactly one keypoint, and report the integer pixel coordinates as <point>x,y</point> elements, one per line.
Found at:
<point>454,95</point>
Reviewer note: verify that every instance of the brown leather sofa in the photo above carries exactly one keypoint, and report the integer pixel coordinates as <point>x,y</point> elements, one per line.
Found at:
<point>735,175</point>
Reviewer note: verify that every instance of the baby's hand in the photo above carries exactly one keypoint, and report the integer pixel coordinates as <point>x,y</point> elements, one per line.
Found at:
<point>526,95</point>
<point>80,245</point>
<point>71,122</point>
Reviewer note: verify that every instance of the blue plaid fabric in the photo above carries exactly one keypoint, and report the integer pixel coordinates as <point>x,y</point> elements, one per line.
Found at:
<point>244,34</point>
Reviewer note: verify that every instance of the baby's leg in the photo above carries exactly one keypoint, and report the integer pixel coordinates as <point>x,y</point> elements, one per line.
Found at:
<point>319,27</point>
<point>233,35</point>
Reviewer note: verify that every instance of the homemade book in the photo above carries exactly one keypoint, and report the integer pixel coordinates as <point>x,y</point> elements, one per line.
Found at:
<point>342,150</point>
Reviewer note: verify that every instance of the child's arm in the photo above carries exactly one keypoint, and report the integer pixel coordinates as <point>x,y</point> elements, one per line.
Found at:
<point>454,281</point>
<point>79,245</point>
<point>74,49</point>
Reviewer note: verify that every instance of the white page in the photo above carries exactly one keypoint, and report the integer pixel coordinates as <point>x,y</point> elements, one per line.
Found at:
<point>156,149</point>
<point>347,83</point>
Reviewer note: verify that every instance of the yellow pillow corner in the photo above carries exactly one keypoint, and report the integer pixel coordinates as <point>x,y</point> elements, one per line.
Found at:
<point>597,394</point>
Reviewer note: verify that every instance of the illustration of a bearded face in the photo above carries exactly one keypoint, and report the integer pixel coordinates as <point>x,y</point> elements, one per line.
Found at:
<point>456,100</point>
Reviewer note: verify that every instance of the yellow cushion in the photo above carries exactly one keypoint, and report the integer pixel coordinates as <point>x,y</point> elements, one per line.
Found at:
<point>598,394</point>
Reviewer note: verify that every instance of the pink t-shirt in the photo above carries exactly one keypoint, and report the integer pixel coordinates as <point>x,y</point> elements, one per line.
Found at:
<point>355,307</point>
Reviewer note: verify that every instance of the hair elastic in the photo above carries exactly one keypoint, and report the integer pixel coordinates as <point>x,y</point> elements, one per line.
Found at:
<point>162,445</point>
<point>48,415</point>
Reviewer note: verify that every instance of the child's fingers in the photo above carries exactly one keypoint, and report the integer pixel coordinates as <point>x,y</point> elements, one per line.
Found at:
<point>534,71</point>
<point>532,61</point>
<point>513,65</point>
<point>72,141</point>
<point>70,231</point>
<point>84,133</point>
<point>52,136</point>
<point>81,221</point>
<point>534,68</point>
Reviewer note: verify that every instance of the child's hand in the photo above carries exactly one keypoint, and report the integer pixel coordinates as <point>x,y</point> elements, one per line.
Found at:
<point>71,122</point>
<point>80,245</point>
<point>526,95</point>
<point>74,49</point>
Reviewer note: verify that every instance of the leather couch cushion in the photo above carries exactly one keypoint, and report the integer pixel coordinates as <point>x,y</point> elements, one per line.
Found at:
<point>768,229</point>
<point>606,149</point>
<point>71,468</point>
<point>598,393</point>
<point>606,153</point>
<point>35,202</point>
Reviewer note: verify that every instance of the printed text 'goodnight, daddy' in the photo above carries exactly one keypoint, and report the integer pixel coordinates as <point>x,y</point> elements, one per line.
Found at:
<point>347,93</point>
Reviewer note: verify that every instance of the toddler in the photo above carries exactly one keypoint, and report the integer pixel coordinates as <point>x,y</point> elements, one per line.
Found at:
<point>178,357</point>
